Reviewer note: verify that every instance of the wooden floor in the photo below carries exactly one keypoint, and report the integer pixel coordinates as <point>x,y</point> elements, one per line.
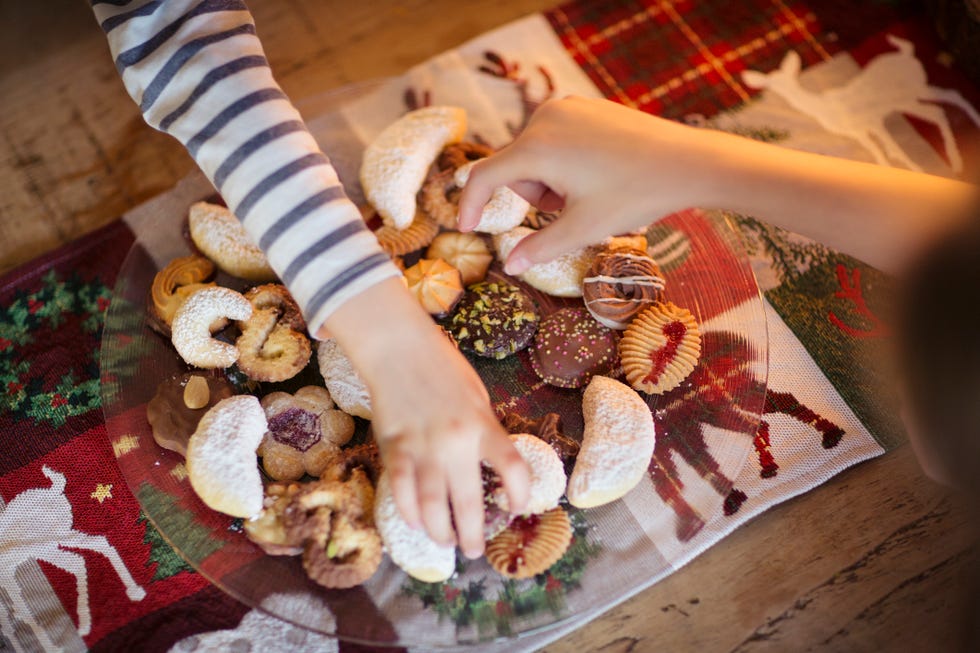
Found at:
<point>874,560</point>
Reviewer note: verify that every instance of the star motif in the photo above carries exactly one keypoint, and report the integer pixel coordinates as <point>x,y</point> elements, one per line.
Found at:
<point>102,492</point>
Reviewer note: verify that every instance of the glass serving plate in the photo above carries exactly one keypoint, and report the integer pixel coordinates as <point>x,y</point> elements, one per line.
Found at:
<point>705,431</point>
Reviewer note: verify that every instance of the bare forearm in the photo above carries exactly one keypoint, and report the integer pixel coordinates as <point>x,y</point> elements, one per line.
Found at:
<point>615,169</point>
<point>881,215</point>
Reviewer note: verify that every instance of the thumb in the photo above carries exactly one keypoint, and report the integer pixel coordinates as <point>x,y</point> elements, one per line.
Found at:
<point>576,228</point>
<point>505,168</point>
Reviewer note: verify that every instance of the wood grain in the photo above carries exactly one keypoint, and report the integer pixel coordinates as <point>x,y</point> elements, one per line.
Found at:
<point>874,560</point>
<point>77,154</point>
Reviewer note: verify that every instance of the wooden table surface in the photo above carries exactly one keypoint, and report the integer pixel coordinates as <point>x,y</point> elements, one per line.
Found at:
<point>873,560</point>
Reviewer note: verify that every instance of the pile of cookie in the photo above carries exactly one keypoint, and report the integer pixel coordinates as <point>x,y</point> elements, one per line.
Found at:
<point>330,502</point>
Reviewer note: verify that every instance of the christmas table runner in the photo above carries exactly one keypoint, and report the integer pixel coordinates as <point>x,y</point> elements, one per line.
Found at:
<point>82,567</point>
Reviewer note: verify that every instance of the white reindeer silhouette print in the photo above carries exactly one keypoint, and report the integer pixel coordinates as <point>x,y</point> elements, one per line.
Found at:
<point>37,524</point>
<point>891,83</point>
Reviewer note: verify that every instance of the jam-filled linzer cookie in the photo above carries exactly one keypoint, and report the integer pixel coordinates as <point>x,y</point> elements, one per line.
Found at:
<point>494,319</point>
<point>530,544</point>
<point>660,348</point>
<point>570,348</point>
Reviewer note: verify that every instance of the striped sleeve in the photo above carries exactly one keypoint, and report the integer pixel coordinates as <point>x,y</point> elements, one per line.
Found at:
<point>198,72</point>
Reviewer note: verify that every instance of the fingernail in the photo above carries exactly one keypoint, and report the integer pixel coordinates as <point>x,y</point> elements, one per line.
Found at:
<point>516,264</point>
<point>473,553</point>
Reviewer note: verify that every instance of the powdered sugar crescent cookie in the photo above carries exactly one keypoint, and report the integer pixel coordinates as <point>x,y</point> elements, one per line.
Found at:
<point>660,348</point>
<point>617,444</point>
<point>530,545</point>
<point>561,277</point>
<point>221,457</point>
<point>396,162</point>
<point>410,548</point>
<point>221,237</point>
<point>344,383</point>
<point>191,328</point>
<point>505,209</point>
<point>547,482</point>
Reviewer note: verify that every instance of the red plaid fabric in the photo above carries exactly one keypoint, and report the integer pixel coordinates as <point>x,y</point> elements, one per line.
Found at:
<point>671,58</point>
<point>684,57</point>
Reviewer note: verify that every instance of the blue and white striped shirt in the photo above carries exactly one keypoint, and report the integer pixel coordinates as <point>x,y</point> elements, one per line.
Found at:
<point>197,70</point>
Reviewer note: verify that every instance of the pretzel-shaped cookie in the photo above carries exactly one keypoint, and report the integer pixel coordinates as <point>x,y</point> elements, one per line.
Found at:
<point>273,345</point>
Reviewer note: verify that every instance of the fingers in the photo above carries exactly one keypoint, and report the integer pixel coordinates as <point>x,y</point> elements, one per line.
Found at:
<point>433,500</point>
<point>466,495</point>
<point>500,453</point>
<point>508,167</point>
<point>401,472</point>
<point>572,231</point>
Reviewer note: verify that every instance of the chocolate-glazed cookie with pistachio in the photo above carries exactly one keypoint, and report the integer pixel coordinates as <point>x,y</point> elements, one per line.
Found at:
<point>494,319</point>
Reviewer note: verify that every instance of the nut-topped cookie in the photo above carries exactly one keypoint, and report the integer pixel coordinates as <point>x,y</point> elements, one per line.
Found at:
<point>494,319</point>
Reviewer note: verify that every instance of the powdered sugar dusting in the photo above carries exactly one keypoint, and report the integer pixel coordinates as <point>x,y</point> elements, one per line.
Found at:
<point>505,210</point>
<point>561,277</point>
<point>221,462</point>
<point>346,387</point>
<point>191,332</point>
<point>222,238</point>
<point>410,548</point>
<point>547,474</point>
<point>617,444</point>
<point>396,162</point>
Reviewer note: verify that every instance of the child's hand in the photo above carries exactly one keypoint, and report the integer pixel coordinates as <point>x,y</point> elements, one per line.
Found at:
<point>612,170</point>
<point>432,416</point>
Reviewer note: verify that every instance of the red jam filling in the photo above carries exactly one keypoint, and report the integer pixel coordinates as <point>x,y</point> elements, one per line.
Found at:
<point>661,358</point>
<point>527,528</point>
<point>295,427</point>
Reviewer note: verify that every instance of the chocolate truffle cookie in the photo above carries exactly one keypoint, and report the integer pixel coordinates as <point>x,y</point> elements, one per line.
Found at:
<point>494,319</point>
<point>571,347</point>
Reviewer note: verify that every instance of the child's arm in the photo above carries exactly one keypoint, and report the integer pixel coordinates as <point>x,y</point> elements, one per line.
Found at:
<point>198,72</point>
<point>614,169</point>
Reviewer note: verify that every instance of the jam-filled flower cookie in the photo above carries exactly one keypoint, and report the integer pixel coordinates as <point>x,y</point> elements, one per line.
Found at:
<point>305,433</point>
